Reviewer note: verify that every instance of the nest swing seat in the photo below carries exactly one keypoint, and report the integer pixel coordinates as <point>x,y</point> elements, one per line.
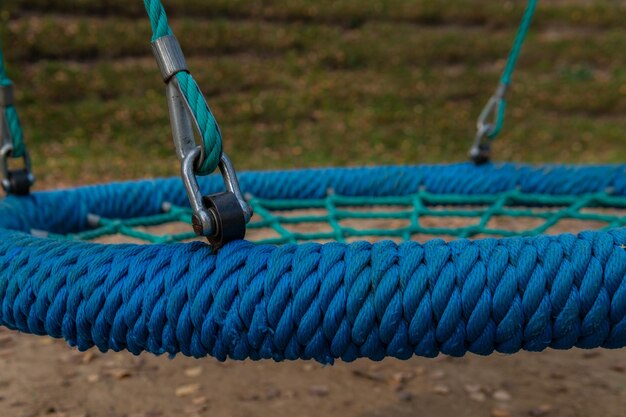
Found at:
<point>287,297</point>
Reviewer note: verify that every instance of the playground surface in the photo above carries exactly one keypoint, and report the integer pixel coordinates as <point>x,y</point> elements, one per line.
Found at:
<point>42,377</point>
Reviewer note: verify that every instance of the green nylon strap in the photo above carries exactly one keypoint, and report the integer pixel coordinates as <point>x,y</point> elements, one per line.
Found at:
<point>208,127</point>
<point>522,32</point>
<point>4,78</point>
<point>9,114</point>
<point>507,74</point>
<point>17,135</point>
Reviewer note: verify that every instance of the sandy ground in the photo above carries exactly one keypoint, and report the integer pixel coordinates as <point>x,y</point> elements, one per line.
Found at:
<point>45,377</point>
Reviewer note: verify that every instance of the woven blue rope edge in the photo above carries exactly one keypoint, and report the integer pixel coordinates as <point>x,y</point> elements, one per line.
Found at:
<point>65,211</point>
<point>313,301</point>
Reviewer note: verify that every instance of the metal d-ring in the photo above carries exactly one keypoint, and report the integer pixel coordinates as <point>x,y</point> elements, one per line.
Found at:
<point>204,222</point>
<point>231,182</point>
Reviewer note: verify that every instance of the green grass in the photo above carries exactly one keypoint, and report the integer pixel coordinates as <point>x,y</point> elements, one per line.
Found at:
<point>308,83</point>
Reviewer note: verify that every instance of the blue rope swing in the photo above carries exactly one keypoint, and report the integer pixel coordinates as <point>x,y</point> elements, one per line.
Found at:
<point>313,301</point>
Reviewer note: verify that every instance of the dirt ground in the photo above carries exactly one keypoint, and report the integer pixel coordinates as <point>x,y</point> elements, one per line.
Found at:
<point>44,377</point>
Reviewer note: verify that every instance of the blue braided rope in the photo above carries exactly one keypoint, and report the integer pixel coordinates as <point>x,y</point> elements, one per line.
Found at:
<point>312,301</point>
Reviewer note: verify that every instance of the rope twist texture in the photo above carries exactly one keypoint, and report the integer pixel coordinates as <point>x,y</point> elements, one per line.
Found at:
<point>312,301</point>
<point>321,302</point>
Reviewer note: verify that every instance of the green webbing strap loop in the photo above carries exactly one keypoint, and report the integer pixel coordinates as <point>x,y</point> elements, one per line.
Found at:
<point>491,118</point>
<point>9,114</point>
<point>12,144</point>
<point>168,53</point>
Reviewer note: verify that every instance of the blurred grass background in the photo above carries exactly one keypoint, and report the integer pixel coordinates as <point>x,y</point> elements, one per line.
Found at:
<point>303,83</point>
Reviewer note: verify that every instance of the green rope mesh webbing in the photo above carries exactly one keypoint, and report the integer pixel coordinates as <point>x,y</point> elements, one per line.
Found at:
<point>400,218</point>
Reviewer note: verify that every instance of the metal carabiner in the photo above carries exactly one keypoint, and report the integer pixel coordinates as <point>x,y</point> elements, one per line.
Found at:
<point>486,126</point>
<point>220,217</point>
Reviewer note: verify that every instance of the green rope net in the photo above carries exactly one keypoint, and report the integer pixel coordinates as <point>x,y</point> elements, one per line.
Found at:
<point>413,217</point>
